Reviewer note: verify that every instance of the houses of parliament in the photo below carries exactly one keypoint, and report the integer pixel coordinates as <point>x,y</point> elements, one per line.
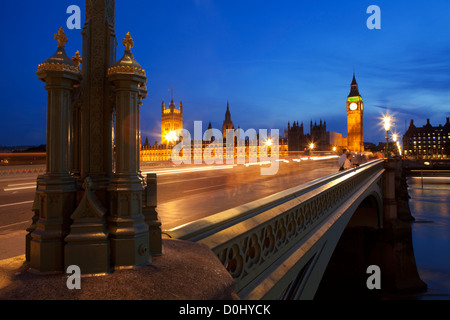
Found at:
<point>296,140</point>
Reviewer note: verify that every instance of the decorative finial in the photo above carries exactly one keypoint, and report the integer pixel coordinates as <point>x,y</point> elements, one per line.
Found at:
<point>61,38</point>
<point>77,59</point>
<point>128,42</point>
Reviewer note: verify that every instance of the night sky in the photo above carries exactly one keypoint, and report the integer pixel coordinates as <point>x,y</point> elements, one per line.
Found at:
<point>274,61</point>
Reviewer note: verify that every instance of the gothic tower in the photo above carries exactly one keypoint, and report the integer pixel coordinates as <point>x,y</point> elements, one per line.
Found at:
<point>227,123</point>
<point>355,118</point>
<point>296,137</point>
<point>171,120</point>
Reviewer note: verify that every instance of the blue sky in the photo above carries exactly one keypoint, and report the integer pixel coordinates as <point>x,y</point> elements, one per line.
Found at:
<point>275,61</point>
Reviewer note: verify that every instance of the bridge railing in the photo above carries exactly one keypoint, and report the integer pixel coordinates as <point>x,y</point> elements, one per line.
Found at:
<point>251,238</point>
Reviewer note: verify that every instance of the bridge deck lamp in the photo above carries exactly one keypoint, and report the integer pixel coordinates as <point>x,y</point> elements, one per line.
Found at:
<point>387,127</point>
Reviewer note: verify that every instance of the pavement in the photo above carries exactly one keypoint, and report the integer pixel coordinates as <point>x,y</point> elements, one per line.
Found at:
<point>186,271</point>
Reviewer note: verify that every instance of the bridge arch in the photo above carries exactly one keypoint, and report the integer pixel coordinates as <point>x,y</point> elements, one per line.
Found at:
<point>362,216</point>
<point>357,248</point>
<point>369,210</point>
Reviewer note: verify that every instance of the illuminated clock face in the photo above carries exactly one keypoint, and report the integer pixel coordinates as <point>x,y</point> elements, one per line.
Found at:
<point>353,106</point>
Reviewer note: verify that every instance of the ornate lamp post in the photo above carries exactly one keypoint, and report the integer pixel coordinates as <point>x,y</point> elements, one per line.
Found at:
<point>56,188</point>
<point>127,227</point>
<point>92,207</point>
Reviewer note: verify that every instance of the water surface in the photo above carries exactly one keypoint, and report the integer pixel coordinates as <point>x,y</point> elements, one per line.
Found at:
<point>430,206</point>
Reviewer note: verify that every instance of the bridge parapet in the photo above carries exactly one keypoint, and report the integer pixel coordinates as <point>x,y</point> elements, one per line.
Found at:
<point>259,250</point>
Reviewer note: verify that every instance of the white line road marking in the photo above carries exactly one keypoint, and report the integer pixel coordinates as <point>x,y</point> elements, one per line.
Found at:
<point>14,204</point>
<point>14,224</point>
<point>187,180</point>
<point>209,187</point>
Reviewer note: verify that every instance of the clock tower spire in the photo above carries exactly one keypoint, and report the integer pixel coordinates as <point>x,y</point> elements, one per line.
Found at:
<point>355,118</point>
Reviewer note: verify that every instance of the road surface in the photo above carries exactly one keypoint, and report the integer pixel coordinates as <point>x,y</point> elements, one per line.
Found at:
<point>185,194</point>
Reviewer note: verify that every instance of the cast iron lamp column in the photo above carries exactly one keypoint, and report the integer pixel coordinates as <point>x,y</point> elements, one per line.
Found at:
<point>129,237</point>
<point>56,188</point>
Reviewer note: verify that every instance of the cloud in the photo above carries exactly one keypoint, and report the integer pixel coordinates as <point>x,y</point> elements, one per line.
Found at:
<point>423,71</point>
<point>418,112</point>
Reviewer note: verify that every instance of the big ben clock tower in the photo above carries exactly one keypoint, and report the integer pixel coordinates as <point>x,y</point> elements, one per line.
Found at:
<point>355,119</point>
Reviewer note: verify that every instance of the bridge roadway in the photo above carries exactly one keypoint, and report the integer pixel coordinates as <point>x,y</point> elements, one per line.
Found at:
<point>185,194</point>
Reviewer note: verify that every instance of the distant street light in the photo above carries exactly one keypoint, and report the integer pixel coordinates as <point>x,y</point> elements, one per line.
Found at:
<point>396,142</point>
<point>387,127</point>
<point>171,137</point>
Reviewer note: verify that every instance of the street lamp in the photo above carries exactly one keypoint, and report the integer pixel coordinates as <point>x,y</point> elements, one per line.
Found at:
<point>396,142</point>
<point>311,147</point>
<point>387,127</point>
<point>171,137</point>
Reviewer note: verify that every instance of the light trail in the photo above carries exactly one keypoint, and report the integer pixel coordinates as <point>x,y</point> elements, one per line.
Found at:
<point>22,184</point>
<point>190,170</point>
<point>21,188</point>
<point>432,178</point>
<point>324,158</point>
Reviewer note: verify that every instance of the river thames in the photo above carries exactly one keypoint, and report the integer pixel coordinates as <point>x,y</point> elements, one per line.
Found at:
<point>430,206</point>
